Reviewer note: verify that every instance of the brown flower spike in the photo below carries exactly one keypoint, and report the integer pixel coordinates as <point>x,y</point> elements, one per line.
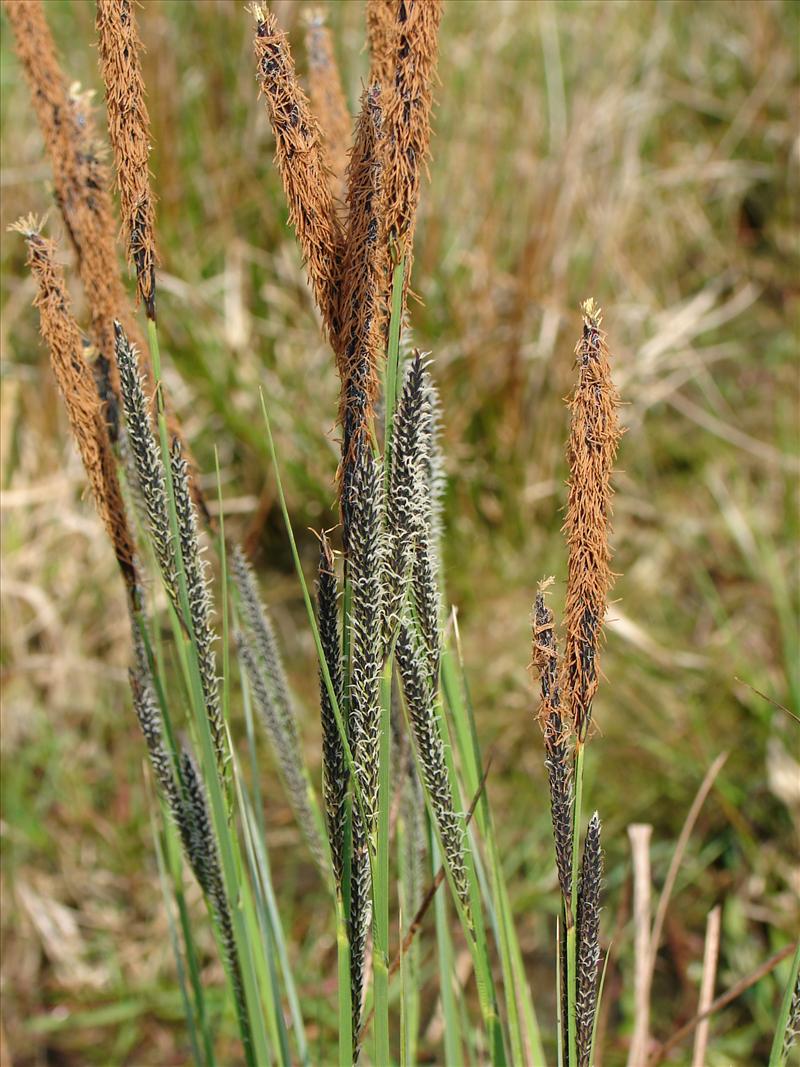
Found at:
<point>80,175</point>
<point>408,97</point>
<point>365,265</point>
<point>381,23</point>
<point>328,101</point>
<point>75,382</point>
<point>300,156</point>
<point>593,441</point>
<point>129,131</point>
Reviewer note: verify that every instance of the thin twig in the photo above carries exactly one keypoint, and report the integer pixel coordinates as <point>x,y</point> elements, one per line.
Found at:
<point>721,1002</point>
<point>710,958</point>
<point>769,699</point>
<point>639,835</point>
<point>678,854</point>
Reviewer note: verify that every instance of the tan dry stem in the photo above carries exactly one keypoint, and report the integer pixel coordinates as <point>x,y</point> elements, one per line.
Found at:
<point>328,102</point>
<point>593,441</point>
<point>129,131</point>
<point>301,161</point>
<point>75,382</point>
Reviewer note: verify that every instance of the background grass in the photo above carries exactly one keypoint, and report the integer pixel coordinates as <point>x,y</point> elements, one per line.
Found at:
<point>641,153</point>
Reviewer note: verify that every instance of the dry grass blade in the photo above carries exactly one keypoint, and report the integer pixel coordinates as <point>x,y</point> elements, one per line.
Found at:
<point>63,338</point>
<point>639,835</point>
<point>710,957</point>
<point>735,991</point>
<point>593,441</point>
<point>677,856</point>
<point>301,161</point>
<point>328,101</point>
<point>129,131</point>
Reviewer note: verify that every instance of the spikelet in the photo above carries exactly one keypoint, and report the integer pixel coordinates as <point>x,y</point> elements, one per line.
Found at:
<point>147,463</point>
<point>62,336</point>
<point>359,921</point>
<point>363,311</point>
<point>328,101</point>
<point>420,701</point>
<point>793,1022</point>
<point>287,754</point>
<point>264,642</point>
<point>407,114</point>
<point>129,131</point>
<point>301,162</point>
<point>203,855</point>
<point>588,962</point>
<point>334,767</point>
<point>427,603</point>
<point>434,475</point>
<point>381,28</point>
<point>545,661</point>
<point>594,437</point>
<point>404,513</point>
<point>149,716</point>
<point>425,567</point>
<point>365,571</point>
<point>200,603</point>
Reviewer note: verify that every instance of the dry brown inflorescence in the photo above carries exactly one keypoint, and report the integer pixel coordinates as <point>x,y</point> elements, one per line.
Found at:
<point>365,265</point>
<point>381,22</point>
<point>408,98</point>
<point>75,382</point>
<point>129,131</point>
<point>328,101</point>
<point>80,177</point>
<point>593,441</point>
<point>301,161</point>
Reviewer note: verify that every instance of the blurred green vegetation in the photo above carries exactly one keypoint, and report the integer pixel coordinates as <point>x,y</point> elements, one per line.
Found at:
<point>641,153</point>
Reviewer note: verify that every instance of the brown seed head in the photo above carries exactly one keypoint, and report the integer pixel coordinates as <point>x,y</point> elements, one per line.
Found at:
<point>63,338</point>
<point>328,101</point>
<point>381,25</point>
<point>129,131</point>
<point>408,96</point>
<point>593,441</point>
<point>80,175</point>
<point>301,161</point>
<point>365,264</point>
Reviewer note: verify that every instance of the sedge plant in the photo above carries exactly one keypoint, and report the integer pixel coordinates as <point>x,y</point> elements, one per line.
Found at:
<point>400,823</point>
